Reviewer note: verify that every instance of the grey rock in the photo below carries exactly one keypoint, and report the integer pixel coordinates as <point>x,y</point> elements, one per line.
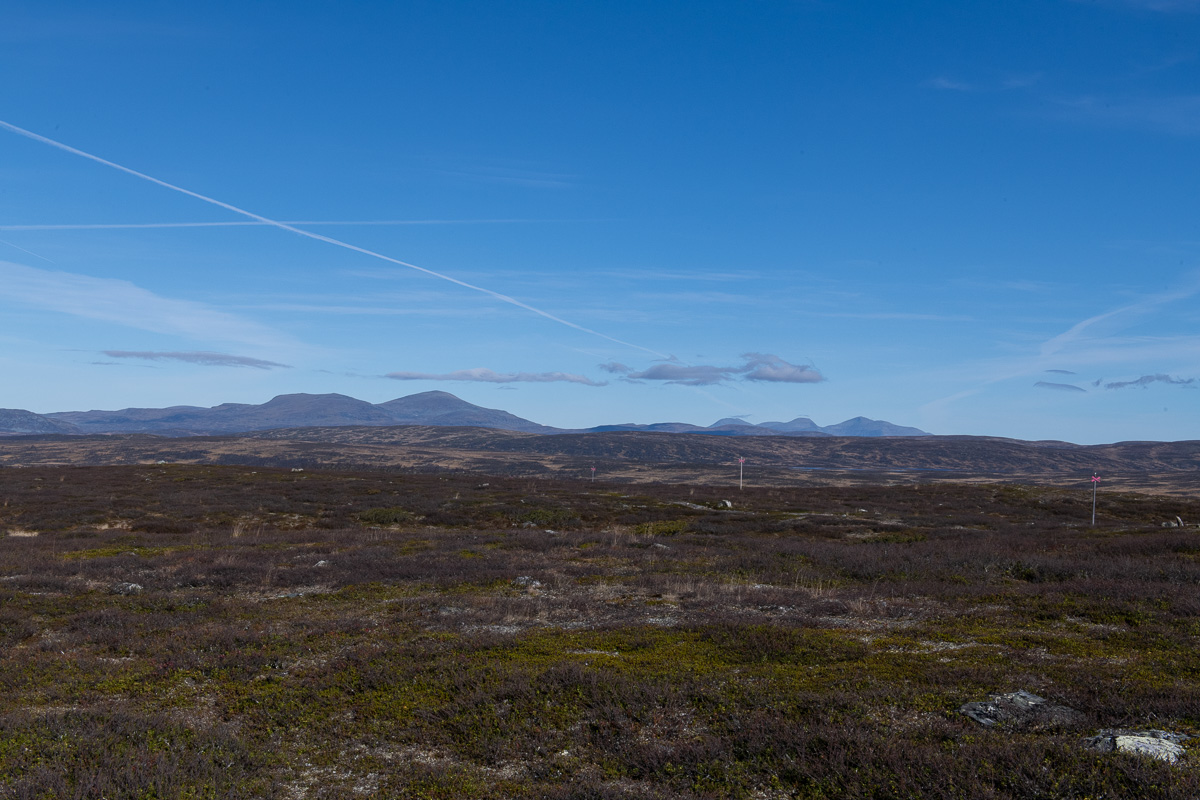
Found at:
<point>127,588</point>
<point>1021,710</point>
<point>1163,745</point>
<point>321,563</point>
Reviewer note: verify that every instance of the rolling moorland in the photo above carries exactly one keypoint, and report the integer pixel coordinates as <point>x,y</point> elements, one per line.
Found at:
<point>640,457</point>
<point>202,630</point>
<point>462,612</point>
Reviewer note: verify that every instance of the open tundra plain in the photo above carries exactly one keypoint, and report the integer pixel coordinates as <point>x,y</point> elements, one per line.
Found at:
<point>234,631</point>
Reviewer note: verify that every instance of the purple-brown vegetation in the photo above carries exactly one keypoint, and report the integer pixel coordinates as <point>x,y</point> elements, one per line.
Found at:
<point>234,632</point>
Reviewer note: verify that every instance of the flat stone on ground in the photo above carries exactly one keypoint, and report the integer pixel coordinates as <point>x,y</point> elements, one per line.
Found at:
<point>1022,710</point>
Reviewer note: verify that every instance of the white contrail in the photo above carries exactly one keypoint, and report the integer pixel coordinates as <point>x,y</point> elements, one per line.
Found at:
<point>113,226</point>
<point>23,250</point>
<point>309,234</point>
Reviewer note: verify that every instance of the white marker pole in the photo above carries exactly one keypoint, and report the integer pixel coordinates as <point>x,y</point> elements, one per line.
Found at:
<point>593,474</point>
<point>741,463</point>
<point>1095,483</point>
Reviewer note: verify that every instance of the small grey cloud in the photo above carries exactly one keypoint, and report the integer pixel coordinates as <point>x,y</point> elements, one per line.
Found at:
<point>1146,380</point>
<point>1061,387</point>
<point>119,364</point>
<point>688,376</point>
<point>948,84</point>
<point>616,368</point>
<point>1021,81</point>
<point>202,358</point>
<point>1061,371</point>
<point>757,367</point>
<point>766,367</point>
<point>484,375</point>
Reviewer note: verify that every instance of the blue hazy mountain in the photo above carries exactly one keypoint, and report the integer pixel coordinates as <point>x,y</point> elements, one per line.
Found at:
<point>440,409</point>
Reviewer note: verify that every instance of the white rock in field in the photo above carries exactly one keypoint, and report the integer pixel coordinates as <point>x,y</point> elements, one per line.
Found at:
<point>1163,745</point>
<point>127,588</point>
<point>321,563</point>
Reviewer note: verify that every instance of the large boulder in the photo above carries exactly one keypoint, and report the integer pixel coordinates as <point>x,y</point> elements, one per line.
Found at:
<point>1163,745</point>
<point>1021,710</point>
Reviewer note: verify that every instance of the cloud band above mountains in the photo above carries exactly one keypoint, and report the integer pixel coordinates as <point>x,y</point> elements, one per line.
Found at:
<point>483,375</point>
<point>1143,381</point>
<point>1146,380</point>
<point>1059,387</point>
<point>757,367</point>
<point>202,358</point>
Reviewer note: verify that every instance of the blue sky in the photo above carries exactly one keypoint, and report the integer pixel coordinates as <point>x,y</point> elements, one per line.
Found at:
<point>974,218</point>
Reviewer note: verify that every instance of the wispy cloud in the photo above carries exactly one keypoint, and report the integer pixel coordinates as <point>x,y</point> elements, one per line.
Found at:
<point>514,175</point>
<point>1007,83</point>
<point>1174,114</point>
<point>483,375</point>
<point>1163,6</point>
<point>896,315</point>
<point>773,369</point>
<point>1061,371</point>
<point>1061,387</point>
<point>700,375</point>
<point>116,226</point>
<point>1023,81</point>
<point>666,275</point>
<point>1092,342</point>
<point>948,84</point>
<point>757,367</point>
<point>1146,380</point>
<point>23,250</point>
<point>202,358</point>
<point>372,311</point>
<point>316,236</point>
<point>1114,318</point>
<point>123,303</point>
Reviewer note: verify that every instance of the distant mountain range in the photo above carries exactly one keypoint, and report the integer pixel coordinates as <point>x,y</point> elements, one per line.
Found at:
<point>440,409</point>
<point>14,421</point>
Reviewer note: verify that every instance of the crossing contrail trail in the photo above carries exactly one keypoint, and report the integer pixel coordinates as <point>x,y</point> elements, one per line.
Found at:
<point>115,226</point>
<point>23,250</point>
<point>327,239</point>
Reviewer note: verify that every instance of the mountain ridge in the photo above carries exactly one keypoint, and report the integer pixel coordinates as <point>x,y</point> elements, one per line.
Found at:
<point>433,408</point>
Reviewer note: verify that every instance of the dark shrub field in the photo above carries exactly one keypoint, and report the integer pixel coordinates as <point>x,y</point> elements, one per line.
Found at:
<point>224,632</point>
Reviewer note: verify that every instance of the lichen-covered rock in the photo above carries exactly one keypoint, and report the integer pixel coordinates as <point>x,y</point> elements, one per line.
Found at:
<point>1163,745</point>
<point>127,588</point>
<point>1021,710</point>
